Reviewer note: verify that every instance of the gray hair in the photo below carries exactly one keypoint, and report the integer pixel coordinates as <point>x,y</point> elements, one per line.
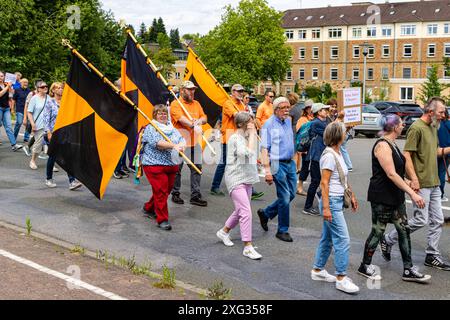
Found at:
<point>432,103</point>
<point>242,118</point>
<point>333,134</point>
<point>278,101</point>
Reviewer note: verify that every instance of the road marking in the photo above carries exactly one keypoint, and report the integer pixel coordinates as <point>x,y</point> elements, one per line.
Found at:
<point>75,282</point>
<point>444,208</point>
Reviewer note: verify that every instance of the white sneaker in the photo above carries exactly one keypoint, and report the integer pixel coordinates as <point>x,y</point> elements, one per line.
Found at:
<point>323,275</point>
<point>346,285</point>
<point>55,169</point>
<point>74,185</point>
<point>27,151</point>
<point>251,253</point>
<point>33,165</point>
<point>444,199</point>
<point>43,156</point>
<point>50,183</point>
<point>225,237</point>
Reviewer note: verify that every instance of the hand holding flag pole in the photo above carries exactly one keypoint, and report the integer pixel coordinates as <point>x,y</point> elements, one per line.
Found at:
<point>66,43</point>
<point>161,77</point>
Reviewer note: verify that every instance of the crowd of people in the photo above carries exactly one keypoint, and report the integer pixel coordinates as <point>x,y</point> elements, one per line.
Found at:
<point>290,141</point>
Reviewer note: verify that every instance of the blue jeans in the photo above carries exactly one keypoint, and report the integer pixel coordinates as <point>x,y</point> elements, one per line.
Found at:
<point>346,155</point>
<point>220,170</point>
<point>5,118</point>
<point>334,235</point>
<point>285,178</point>
<point>442,173</point>
<point>19,121</point>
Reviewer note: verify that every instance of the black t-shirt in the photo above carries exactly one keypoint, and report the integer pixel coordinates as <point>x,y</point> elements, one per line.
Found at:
<point>20,96</point>
<point>4,99</point>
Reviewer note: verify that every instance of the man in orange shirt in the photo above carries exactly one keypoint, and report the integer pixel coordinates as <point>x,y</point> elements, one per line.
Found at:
<point>265,109</point>
<point>191,130</point>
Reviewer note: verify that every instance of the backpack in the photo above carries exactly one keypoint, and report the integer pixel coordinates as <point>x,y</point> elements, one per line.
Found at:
<point>302,138</point>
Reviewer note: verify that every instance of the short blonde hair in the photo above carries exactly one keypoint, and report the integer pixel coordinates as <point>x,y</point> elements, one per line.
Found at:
<point>159,107</point>
<point>334,134</point>
<point>52,87</point>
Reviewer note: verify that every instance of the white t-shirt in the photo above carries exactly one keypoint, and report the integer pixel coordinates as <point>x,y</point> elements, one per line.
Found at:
<point>328,162</point>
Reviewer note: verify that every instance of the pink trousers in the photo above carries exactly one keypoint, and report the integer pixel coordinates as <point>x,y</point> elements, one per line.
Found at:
<point>242,211</point>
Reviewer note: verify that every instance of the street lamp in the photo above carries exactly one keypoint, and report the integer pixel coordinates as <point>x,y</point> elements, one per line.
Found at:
<point>365,47</point>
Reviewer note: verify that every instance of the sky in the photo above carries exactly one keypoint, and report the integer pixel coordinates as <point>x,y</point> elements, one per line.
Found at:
<point>197,16</point>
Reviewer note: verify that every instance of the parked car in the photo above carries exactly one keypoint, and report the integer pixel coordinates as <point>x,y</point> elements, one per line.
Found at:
<point>383,105</point>
<point>254,103</point>
<point>409,112</point>
<point>370,122</point>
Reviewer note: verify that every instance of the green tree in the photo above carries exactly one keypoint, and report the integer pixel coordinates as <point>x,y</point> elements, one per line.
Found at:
<point>164,58</point>
<point>175,39</point>
<point>142,35</point>
<point>160,27</point>
<point>191,37</point>
<point>153,32</point>
<point>431,87</point>
<point>248,45</point>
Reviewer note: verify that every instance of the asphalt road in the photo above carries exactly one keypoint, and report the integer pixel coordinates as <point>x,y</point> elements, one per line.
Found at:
<point>116,224</point>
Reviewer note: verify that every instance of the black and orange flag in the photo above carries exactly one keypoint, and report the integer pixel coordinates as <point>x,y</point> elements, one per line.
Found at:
<point>140,83</point>
<point>92,128</point>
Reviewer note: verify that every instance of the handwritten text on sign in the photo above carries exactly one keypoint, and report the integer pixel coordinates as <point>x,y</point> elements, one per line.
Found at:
<point>352,97</point>
<point>352,115</point>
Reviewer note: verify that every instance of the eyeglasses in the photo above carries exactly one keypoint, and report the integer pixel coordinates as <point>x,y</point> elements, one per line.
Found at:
<point>161,113</point>
<point>43,87</point>
<point>271,97</point>
<point>239,90</point>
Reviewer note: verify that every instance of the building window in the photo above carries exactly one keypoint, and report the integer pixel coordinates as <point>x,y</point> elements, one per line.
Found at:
<point>406,73</point>
<point>407,50</point>
<point>315,73</point>
<point>315,53</point>
<point>355,74</point>
<point>386,51</point>
<point>316,33</point>
<point>432,29</point>
<point>385,73</point>
<point>335,33</point>
<point>301,53</point>
<point>371,52</point>
<point>386,31</point>
<point>406,93</point>
<point>289,34</point>
<point>334,74</point>
<point>302,34</point>
<point>288,90</point>
<point>301,74</point>
<point>447,50</point>
<point>370,74</point>
<point>447,28</point>
<point>334,52</point>
<point>408,30</point>
<point>357,32</point>
<point>177,75</point>
<point>356,52</point>
<point>289,75</point>
<point>371,31</point>
<point>431,50</point>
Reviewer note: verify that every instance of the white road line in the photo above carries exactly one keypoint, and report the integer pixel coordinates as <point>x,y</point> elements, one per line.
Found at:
<point>75,282</point>
<point>444,208</point>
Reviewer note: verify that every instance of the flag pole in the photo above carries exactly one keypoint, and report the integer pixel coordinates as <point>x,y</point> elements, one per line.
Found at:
<point>66,43</point>
<point>164,81</point>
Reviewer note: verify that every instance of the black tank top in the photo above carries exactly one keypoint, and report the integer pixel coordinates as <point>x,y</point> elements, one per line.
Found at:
<point>4,99</point>
<point>381,188</point>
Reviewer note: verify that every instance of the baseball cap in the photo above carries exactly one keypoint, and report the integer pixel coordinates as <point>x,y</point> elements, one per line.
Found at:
<point>188,85</point>
<point>237,87</point>
<point>316,107</point>
<point>309,103</point>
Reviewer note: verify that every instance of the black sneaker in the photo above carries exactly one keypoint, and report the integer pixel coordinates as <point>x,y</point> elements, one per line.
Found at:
<point>413,275</point>
<point>311,211</point>
<point>176,198</point>
<point>149,213</point>
<point>124,174</point>
<point>435,261</point>
<point>165,225</point>
<point>197,201</point>
<point>369,271</point>
<point>125,169</point>
<point>284,236</point>
<point>385,249</point>
<point>117,175</point>
<point>263,219</point>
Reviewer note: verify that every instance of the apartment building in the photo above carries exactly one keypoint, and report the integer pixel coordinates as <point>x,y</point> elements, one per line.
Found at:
<point>401,40</point>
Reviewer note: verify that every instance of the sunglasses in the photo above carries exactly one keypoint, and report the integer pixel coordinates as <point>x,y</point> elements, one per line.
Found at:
<point>271,97</point>
<point>239,90</point>
<point>43,87</point>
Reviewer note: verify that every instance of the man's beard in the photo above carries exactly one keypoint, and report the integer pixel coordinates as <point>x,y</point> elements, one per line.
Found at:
<point>435,122</point>
<point>187,98</point>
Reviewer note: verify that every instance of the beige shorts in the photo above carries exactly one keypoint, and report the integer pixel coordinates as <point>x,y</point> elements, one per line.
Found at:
<point>38,141</point>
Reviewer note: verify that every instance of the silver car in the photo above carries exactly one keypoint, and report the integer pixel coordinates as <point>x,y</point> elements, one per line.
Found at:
<point>370,122</point>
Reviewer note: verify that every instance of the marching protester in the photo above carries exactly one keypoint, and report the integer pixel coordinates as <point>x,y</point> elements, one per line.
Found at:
<point>318,125</point>
<point>28,129</point>
<point>240,174</point>
<point>160,164</point>
<point>35,117</point>
<point>295,113</point>
<point>265,109</point>
<point>277,152</point>
<point>20,97</point>
<point>443,162</point>
<point>334,186</point>
<point>306,117</point>
<point>421,151</point>
<point>49,116</point>
<point>191,130</point>
<point>5,112</point>
<point>334,115</point>
<point>387,197</point>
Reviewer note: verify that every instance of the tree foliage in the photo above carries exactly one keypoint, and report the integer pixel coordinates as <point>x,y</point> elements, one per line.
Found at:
<point>175,39</point>
<point>164,58</point>
<point>142,35</point>
<point>248,45</point>
<point>431,87</point>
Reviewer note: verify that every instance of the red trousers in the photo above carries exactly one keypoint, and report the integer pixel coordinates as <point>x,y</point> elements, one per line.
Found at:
<point>161,178</point>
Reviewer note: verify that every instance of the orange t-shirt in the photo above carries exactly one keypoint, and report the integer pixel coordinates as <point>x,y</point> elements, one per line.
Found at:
<point>302,121</point>
<point>264,112</point>
<point>176,112</point>
<point>228,111</point>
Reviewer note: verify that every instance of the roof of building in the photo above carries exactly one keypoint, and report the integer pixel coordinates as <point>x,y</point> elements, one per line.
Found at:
<point>363,13</point>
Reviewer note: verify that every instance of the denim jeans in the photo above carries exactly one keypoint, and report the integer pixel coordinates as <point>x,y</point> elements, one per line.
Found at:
<point>50,164</point>
<point>19,121</point>
<point>345,154</point>
<point>220,170</point>
<point>5,118</point>
<point>443,173</point>
<point>285,178</point>
<point>334,235</point>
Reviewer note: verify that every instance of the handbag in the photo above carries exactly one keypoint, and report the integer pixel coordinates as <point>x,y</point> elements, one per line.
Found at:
<point>348,193</point>
<point>28,127</point>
